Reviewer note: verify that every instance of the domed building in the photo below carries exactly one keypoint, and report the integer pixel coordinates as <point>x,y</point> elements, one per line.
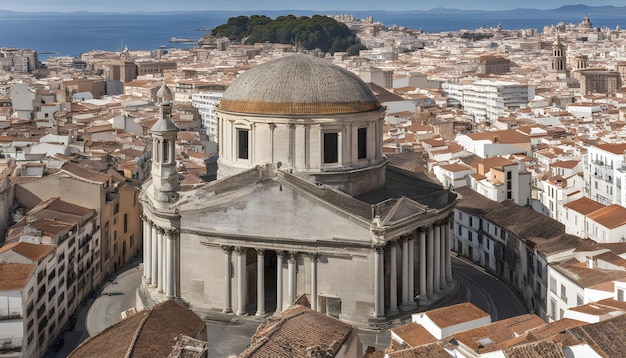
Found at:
<point>306,206</point>
<point>308,115</point>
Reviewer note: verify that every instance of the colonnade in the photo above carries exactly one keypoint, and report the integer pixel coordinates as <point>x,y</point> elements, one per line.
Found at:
<point>435,268</point>
<point>159,257</point>
<point>241,259</point>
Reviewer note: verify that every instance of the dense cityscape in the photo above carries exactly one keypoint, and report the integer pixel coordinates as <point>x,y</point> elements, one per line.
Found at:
<point>410,194</point>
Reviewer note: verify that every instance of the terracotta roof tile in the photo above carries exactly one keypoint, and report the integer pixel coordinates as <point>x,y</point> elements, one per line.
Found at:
<point>15,276</point>
<point>609,302</point>
<point>149,333</point>
<point>414,334</point>
<point>615,148</point>
<point>34,252</point>
<point>611,216</point>
<point>553,328</point>
<point>544,349</point>
<point>606,338</point>
<point>567,164</point>
<point>584,205</point>
<point>433,350</point>
<point>456,167</point>
<point>295,332</point>
<point>583,276</point>
<point>496,335</point>
<point>455,314</point>
<point>85,173</point>
<point>504,137</point>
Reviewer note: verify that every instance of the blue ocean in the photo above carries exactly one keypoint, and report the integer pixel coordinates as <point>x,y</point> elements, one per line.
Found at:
<point>74,33</point>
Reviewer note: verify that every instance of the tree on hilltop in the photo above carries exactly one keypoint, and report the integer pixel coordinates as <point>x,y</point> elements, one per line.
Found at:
<point>316,32</point>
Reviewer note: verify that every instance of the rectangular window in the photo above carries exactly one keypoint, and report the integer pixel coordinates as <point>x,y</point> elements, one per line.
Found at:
<point>552,284</point>
<point>563,293</point>
<point>125,223</point>
<point>620,295</point>
<point>362,143</point>
<point>242,144</point>
<point>331,152</point>
<point>579,300</point>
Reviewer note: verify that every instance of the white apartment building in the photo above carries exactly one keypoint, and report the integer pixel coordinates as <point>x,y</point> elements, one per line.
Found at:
<point>60,241</point>
<point>17,284</point>
<point>581,280</point>
<point>501,179</point>
<point>206,104</point>
<point>574,215</point>
<point>605,174</point>
<point>487,100</point>
<point>553,192</point>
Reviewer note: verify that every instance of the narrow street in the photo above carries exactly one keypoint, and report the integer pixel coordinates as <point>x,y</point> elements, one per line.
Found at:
<point>487,292</point>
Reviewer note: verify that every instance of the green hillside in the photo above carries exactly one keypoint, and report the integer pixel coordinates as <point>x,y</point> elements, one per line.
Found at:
<point>309,33</point>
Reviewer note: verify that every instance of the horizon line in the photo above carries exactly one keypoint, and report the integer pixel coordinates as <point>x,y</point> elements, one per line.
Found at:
<point>344,11</point>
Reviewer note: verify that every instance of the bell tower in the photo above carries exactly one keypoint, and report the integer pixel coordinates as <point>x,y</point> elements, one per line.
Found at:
<point>165,180</point>
<point>558,61</point>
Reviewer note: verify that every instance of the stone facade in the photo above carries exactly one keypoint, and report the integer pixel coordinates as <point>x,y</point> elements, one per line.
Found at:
<point>362,239</point>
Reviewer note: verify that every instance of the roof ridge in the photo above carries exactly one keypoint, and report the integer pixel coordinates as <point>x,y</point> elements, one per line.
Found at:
<point>131,346</point>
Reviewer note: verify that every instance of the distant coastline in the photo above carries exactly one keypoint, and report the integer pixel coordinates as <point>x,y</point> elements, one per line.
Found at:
<point>69,34</point>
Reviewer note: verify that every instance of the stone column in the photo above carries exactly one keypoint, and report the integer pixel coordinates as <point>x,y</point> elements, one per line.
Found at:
<point>291,283</point>
<point>379,298</point>
<point>147,251</point>
<point>313,257</point>
<point>393,283</point>
<point>430,264</point>
<point>241,280</point>
<point>154,262</point>
<point>170,289</point>
<point>448,237</point>
<point>437,259</point>
<point>405,274</point>
<point>144,237</point>
<point>260,282</point>
<point>442,278</point>
<point>228,305</point>
<point>423,295</point>
<point>160,260</point>
<point>279,280</point>
<point>411,240</point>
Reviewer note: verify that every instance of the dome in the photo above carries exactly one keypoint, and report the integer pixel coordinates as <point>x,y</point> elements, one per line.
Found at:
<point>298,85</point>
<point>164,93</point>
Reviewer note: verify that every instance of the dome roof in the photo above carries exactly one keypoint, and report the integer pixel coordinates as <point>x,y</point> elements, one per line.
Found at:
<point>298,85</point>
<point>164,93</point>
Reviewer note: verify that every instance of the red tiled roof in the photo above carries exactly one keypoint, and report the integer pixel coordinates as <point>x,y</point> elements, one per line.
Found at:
<point>584,205</point>
<point>414,334</point>
<point>611,216</point>
<point>149,333</point>
<point>296,332</point>
<point>15,276</point>
<point>455,314</point>
<point>85,173</point>
<point>34,252</point>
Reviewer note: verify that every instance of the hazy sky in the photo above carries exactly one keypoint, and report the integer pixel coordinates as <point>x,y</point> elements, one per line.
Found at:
<point>334,5</point>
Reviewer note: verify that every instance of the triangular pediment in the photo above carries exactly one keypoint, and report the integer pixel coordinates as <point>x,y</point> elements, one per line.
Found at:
<point>270,209</point>
<point>404,208</point>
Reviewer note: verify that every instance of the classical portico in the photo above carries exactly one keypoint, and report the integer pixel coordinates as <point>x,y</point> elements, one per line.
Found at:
<point>306,207</point>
